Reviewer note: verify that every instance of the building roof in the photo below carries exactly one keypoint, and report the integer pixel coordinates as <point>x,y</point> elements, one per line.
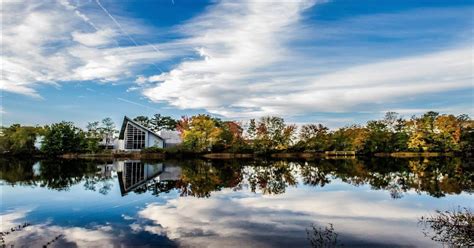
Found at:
<point>124,125</point>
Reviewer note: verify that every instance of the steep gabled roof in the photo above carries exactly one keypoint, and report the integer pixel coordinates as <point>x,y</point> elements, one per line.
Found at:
<point>124,125</point>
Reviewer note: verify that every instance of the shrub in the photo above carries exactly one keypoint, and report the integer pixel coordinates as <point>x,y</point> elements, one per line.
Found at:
<point>152,149</point>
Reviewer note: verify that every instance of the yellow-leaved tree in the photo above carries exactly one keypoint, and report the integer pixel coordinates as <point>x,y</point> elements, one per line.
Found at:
<point>200,132</point>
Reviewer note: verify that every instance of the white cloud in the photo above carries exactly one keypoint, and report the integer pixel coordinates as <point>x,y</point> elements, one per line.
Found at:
<point>247,68</point>
<point>52,42</point>
<point>236,219</point>
<point>41,234</point>
<point>233,40</point>
<point>98,38</point>
<point>247,59</point>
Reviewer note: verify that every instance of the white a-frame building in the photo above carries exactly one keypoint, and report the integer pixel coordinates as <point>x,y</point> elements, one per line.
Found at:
<point>134,137</point>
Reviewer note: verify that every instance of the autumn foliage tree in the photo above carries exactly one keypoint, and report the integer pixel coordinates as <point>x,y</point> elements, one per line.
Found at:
<point>273,134</point>
<point>199,132</point>
<point>314,137</point>
<point>434,132</point>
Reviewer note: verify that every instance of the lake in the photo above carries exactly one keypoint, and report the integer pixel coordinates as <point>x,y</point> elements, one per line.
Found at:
<point>367,202</point>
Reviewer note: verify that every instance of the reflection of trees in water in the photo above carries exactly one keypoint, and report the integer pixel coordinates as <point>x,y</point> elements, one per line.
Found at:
<point>440,177</point>
<point>452,228</point>
<point>54,174</point>
<point>92,183</point>
<point>17,171</point>
<point>271,178</point>
<point>315,175</point>
<point>199,178</point>
<point>435,176</point>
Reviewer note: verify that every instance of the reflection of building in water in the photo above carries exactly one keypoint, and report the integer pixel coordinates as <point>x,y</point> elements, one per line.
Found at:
<point>105,170</point>
<point>133,174</point>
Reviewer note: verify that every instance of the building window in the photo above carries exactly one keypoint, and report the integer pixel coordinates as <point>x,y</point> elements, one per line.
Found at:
<point>134,174</point>
<point>135,138</point>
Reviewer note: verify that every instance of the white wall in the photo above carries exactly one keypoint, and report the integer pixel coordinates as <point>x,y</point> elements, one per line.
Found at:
<point>154,141</point>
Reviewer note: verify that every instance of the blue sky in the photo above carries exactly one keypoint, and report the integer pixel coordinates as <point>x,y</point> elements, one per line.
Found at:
<point>333,62</point>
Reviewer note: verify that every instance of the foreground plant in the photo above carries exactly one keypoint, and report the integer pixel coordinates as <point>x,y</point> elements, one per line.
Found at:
<point>452,228</point>
<point>320,237</point>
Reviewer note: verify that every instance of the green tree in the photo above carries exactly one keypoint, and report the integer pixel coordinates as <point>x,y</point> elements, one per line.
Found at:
<point>18,139</point>
<point>62,138</point>
<point>108,130</point>
<point>467,134</point>
<point>352,138</point>
<point>143,120</point>
<point>379,137</point>
<point>400,137</point>
<point>93,129</point>
<point>160,122</point>
<point>252,129</point>
<point>273,134</point>
<point>314,137</point>
<point>93,136</point>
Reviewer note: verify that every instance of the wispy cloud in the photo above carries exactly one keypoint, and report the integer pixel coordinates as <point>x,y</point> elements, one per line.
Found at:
<point>137,104</point>
<point>235,42</point>
<point>248,67</point>
<point>241,59</point>
<point>36,50</point>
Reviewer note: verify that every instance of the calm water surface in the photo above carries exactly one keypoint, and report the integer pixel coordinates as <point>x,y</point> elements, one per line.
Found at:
<point>369,202</point>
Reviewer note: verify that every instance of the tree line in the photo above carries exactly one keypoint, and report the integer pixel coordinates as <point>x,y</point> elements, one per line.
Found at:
<point>431,131</point>
<point>57,138</point>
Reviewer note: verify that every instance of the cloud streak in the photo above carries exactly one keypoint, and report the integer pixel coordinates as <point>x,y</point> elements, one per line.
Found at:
<point>248,67</point>
<point>241,59</point>
<point>37,51</point>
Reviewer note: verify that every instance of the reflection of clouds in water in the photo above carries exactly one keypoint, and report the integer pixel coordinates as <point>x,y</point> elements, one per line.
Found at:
<point>9,220</point>
<point>244,219</point>
<point>39,235</point>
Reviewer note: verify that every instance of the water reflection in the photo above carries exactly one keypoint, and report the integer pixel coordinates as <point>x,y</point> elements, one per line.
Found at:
<point>436,177</point>
<point>138,177</point>
<point>259,203</point>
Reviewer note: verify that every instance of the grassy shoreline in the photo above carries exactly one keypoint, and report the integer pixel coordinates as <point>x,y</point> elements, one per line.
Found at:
<point>230,155</point>
<point>277,155</point>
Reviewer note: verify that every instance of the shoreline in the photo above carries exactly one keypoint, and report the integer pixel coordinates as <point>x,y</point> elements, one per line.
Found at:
<point>230,155</point>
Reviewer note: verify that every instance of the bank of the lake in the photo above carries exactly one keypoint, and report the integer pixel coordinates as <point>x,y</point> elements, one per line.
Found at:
<point>232,155</point>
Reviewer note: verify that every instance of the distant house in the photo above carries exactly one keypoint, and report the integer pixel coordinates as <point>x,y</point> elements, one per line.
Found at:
<point>108,141</point>
<point>134,136</point>
<point>171,137</point>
